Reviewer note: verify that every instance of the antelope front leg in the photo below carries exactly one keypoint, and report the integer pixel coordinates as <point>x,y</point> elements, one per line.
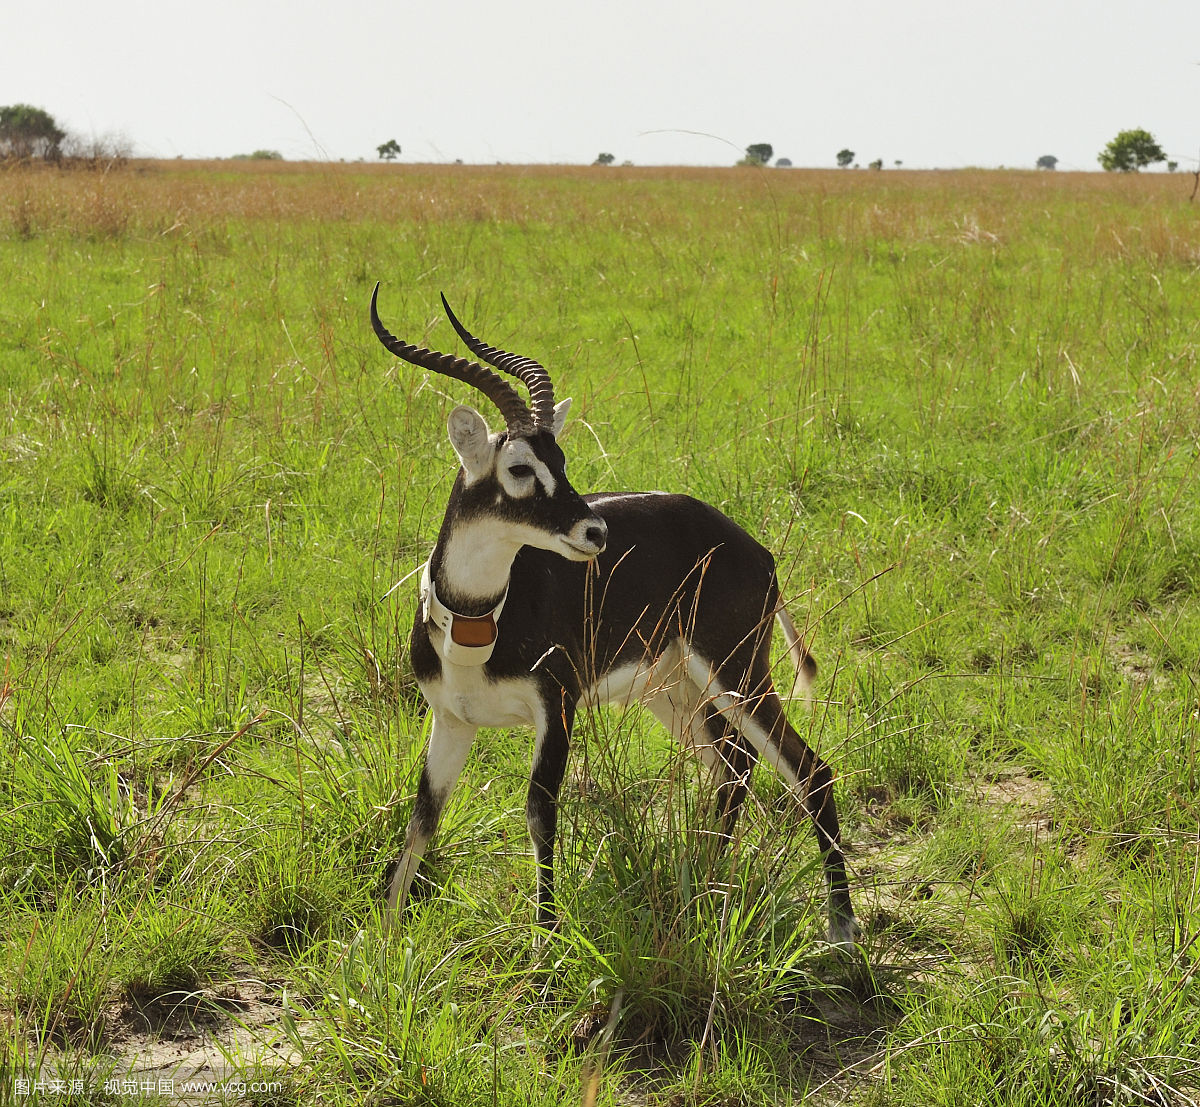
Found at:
<point>449,743</point>
<point>541,806</point>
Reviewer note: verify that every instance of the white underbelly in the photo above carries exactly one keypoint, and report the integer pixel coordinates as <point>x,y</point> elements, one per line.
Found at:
<point>638,681</point>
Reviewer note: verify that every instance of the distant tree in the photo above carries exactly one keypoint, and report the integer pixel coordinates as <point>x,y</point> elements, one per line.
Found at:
<point>260,155</point>
<point>844,157</point>
<point>390,150</point>
<point>1131,151</point>
<point>897,163</point>
<point>758,153</point>
<point>783,163</point>
<point>29,132</point>
<point>604,159</point>
<point>1047,161</point>
<point>1172,166</point>
<point>876,164</point>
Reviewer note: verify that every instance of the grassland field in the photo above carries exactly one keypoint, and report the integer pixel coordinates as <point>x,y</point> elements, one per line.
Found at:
<point>962,408</point>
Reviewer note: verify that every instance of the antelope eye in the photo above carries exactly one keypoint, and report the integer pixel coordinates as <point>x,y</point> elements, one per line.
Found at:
<point>520,472</point>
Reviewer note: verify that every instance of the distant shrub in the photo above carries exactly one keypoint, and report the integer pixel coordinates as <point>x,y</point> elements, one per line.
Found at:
<point>97,152</point>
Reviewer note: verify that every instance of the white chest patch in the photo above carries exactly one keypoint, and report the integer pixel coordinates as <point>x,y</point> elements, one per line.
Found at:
<point>466,694</point>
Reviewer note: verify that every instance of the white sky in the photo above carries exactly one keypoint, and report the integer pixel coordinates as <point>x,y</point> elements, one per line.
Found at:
<point>934,83</point>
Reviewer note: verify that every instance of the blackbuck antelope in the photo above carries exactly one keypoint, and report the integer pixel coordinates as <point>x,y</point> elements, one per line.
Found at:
<point>537,602</point>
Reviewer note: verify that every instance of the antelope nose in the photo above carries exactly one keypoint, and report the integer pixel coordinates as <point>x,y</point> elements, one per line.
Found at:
<point>597,535</point>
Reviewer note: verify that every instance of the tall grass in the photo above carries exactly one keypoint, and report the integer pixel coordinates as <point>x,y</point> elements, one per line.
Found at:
<point>960,407</point>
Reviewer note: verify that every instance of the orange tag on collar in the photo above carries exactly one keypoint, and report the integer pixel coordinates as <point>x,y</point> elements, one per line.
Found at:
<point>465,631</point>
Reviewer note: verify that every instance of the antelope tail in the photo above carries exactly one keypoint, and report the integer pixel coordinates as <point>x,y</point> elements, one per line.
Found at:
<point>806,667</point>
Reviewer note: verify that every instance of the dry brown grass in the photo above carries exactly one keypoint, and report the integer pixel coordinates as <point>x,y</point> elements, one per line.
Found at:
<point>1108,214</point>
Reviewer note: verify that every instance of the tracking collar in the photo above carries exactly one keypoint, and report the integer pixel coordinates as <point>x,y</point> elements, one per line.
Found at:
<point>466,639</point>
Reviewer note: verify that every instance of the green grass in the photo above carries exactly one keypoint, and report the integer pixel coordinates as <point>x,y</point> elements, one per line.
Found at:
<point>960,407</point>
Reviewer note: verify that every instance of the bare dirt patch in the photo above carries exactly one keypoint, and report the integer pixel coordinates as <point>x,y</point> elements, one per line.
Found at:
<point>213,1036</point>
<point>1022,796</point>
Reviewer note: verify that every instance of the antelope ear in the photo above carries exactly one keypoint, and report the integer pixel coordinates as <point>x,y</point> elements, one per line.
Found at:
<point>560,415</point>
<point>471,440</point>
